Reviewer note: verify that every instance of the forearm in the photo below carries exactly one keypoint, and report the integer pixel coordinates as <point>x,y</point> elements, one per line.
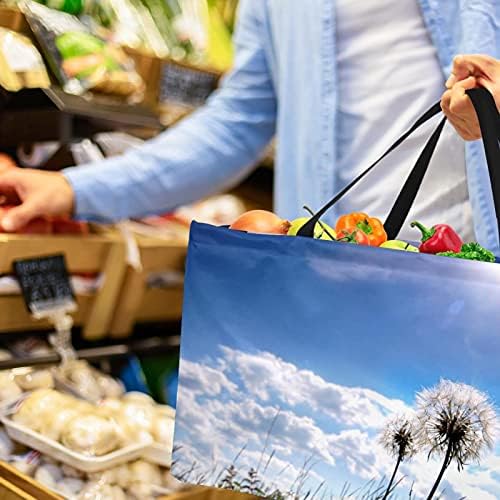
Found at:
<point>208,152</point>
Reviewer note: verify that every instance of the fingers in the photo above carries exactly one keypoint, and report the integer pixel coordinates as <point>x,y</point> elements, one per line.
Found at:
<point>459,71</point>
<point>8,180</point>
<point>12,187</point>
<point>460,104</point>
<point>459,110</point>
<point>477,63</point>
<point>19,216</point>
<point>455,100</point>
<point>471,65</point>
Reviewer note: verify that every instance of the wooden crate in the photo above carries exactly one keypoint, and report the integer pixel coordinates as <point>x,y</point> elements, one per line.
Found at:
<point>148,66</point>
<point>206,493</point>
<point>100,252</point>
<point>16,486</point>
<point>138,303</point>
<point>13,19</point>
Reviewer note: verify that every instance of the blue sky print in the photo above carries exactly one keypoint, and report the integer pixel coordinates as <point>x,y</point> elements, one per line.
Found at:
<point>297,354</point>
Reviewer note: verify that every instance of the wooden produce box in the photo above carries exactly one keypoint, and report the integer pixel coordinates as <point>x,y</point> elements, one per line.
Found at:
<point>139,304</point>
<point>13,19</point>
<point>173,88</point>
<point>101,252</point>
<point>148,66</point>
<point>16,486</point>
<point>205,493</point>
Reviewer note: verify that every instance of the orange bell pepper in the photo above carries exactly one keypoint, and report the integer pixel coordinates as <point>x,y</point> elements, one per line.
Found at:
<point>371,226</point>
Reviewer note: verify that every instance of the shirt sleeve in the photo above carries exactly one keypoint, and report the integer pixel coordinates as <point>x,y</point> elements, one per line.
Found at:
<point>205,153</point>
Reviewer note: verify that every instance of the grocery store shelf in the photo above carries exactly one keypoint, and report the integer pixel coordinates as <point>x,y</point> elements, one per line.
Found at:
<point>102,108</point>
<point>37,115</point>
<point>148,347</point>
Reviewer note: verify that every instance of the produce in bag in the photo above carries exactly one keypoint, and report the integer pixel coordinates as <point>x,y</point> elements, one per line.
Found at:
<point>361,229</point>
<point>77,425</point>
<point>131,23</point>
<point>21,65</point>
<point>261,221</point>
<point>79,378</point>
<point>79,59</point>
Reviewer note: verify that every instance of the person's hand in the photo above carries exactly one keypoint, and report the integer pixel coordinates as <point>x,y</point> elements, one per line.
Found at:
<point>38,193</point>
<point>469,72</point>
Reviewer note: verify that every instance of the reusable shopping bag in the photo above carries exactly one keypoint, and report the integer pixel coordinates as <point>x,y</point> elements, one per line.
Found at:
<point>313,369</point>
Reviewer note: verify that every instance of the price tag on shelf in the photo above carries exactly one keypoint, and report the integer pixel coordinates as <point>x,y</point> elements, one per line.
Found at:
<point>45,285</point>
<point>48,294</point>
<point>186,85</point>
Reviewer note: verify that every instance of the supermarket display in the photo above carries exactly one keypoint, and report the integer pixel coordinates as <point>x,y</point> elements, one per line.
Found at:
<point>80,59</point>
<point>103,68</point>
<point>80,447</point>
<point>197,32</point>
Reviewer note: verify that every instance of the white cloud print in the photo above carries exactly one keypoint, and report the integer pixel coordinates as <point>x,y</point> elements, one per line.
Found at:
<point>256,410</point>
<point>266,376</point>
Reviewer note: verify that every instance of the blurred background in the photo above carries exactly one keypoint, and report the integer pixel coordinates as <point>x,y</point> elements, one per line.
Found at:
<point>81,80</point>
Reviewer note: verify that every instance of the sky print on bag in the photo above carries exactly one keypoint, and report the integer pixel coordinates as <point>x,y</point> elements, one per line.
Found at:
<point>302,384</point>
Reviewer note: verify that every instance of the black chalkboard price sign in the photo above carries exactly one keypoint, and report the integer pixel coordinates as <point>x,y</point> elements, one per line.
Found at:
<point>45,284</point>
<point>186,85</point>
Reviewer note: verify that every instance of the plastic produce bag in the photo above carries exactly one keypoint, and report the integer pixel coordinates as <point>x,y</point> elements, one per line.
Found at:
<point>21,65</point>
<point>79,59</point>
<point>314,369</point>
<point>131,23</point>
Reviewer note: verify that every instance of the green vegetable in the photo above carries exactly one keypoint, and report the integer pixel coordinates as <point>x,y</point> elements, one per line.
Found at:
<point>471,251</point>
<point>164,13</point>
<point>70,6</point>
<point>74,44</point>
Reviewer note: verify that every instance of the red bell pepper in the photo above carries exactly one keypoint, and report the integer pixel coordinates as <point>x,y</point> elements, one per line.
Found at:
<point>440,238</point>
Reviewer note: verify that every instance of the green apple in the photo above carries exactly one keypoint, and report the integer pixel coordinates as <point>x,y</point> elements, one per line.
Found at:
<point>399,245</point>
<point>322,231</point>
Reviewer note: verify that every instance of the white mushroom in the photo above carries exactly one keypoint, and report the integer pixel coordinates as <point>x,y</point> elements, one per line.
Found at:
<point>145,472</point>
<point>91,435</point>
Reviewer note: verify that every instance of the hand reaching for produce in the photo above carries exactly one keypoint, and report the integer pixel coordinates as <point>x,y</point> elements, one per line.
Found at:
<point>469,72</point>
<point>35,193</point>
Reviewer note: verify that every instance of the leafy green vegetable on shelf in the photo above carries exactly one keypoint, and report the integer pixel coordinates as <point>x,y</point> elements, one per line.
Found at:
<point>471,251</point>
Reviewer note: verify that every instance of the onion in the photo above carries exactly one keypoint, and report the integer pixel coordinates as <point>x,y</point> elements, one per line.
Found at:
<point>260,221</point>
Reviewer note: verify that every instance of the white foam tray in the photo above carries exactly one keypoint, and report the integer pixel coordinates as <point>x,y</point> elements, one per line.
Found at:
<point>57,451</point>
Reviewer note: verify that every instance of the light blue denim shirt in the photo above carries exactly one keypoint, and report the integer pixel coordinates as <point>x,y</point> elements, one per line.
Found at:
<point>283,83</point>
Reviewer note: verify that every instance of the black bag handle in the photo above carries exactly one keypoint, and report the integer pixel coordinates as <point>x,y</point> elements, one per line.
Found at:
<point>406,197</point>
<point>489,121</point>
<point>307,229</point>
